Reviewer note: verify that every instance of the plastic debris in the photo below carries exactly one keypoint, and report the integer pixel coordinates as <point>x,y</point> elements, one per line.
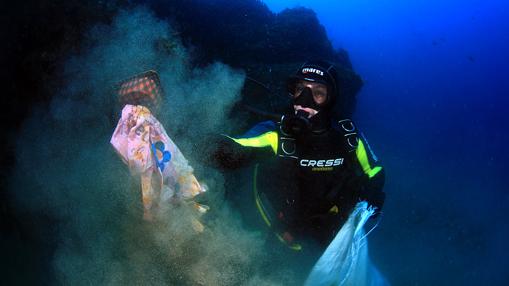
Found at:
<point>346,261</point>
<point>143,144</point>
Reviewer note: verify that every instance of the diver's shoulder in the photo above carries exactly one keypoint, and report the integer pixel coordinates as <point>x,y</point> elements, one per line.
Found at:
<point>261,128</point>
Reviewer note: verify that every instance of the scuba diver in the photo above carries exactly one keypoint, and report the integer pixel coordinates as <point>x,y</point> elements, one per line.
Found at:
<point>308,170</point>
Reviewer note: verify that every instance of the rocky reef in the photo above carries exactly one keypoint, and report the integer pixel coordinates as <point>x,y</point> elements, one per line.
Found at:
<point>40,35</point>
<point>242,33</point>
<point>267,46</point>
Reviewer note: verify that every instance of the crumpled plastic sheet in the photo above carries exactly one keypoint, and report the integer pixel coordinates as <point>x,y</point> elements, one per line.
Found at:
<point>143,144</point>
<point>346,261</point>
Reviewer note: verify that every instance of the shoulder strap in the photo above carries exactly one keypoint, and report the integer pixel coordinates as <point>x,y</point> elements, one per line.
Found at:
<point>354,141</point>
<point>348,130</point>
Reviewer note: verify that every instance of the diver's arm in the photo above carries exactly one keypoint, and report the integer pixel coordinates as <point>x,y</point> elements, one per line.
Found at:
<point>227,154</point>
<point>233,152</point>
<point>367,177</point>
<point>372,176</point>
<point>372,191</point>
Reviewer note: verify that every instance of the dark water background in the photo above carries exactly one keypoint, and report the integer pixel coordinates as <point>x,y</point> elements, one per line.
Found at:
<point>434,107</point>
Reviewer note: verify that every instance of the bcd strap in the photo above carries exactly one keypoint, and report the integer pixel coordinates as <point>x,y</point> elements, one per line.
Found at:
<point>347,128</point>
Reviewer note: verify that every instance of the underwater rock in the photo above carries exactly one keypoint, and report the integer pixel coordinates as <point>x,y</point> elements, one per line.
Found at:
<point>267,46</point>
<point>40,35</point>
<point>237,32</point>
<point>240,32</point>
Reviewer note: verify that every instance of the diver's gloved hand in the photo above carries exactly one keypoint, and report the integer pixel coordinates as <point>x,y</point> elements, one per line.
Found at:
<point>367,190</point>
<point>374,198</point>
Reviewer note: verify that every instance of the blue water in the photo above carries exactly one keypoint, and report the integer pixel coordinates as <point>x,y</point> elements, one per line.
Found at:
<point>434,108</point>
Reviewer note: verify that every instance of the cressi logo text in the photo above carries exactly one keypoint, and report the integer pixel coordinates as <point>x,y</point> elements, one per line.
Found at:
<point>321,163</point>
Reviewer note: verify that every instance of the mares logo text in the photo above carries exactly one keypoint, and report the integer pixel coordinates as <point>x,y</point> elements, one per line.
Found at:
<point>312,70</point>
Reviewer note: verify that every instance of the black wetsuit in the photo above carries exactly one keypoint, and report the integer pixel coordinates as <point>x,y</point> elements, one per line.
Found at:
<point>305,187</point>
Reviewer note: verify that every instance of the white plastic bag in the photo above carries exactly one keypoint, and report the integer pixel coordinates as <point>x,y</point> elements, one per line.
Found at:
<point>346,261</point>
